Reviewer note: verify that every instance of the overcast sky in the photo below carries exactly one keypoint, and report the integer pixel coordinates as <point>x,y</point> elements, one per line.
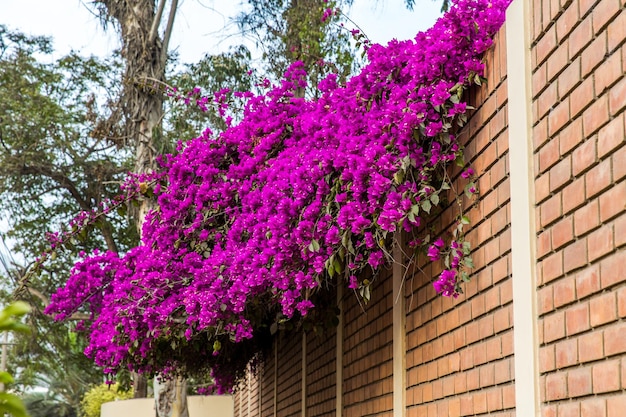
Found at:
<point>199,25</point>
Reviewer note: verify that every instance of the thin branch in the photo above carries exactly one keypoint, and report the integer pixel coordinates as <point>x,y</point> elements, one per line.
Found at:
<point>154,29</point>
<point>46,303</point>
<point>168,30</point>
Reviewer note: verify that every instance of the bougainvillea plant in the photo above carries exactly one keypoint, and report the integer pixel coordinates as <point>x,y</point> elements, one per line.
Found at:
<point>300,194</point>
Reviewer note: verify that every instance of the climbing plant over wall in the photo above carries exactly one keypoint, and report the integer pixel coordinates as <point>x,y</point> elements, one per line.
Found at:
<point>300,195</point>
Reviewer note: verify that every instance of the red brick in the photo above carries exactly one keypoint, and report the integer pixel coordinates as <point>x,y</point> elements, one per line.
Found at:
<point>575,255</point>
<point>560,174</point>
<point>543,244</point>
<point>546,101</point>
<point>557,61</point>
<point>598,178</point>
<point>612,270</point>
<point>600,243</point>
<point>608,73</point>
<point>554,327</point>
<point>545,302</point>
<point>569,78</point>
<point>558,118</point>
<point>583,157</point>
<point>616,406</point>
<point>585,6</point>
<point>546,45</point>
<point>606,377</point>
<point>611,136</point>
<point>603,309</point>
<point>549,411</point>
<point>566,353</point>
<point>615,340</point>
<point>588,281</point>
<point>579,382</point>
<point>594,54</point>
<point>564,291</point>
<point>590,347</point>
<point>539,80</point>
<point>580,37</point>
<point>594,407</point>
<point>556,386</point>
<point>621,302</point>
<point>603,13</point>
<point>508,396</point>
<point>569,410</point>
<point>577,319</point>
<point>619,167</point>
<point>596,115</point>
<point>616,97</point>
<point>551,210</point>
<point>546,359</point>
<point>613,202</point>
<point>617,31</point>
<point>566,22</point>
<point>581,97</point>
<point>620,231</point>
<point>573,195</point>
<point>540,133</point>
<point>552,267</point>
<point>587,218</point>
<point>571,136</point>
<point>563,232</point>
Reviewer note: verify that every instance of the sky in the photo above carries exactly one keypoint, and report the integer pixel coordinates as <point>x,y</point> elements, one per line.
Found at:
<point>200,26</point>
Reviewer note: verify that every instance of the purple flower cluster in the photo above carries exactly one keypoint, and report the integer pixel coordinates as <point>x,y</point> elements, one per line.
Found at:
<point>297,193</point>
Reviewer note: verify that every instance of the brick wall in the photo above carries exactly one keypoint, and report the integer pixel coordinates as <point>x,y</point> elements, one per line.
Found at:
<point>321,373</point>
<point>579,93</point>
<point>367,351</point>
<point>459,353</point>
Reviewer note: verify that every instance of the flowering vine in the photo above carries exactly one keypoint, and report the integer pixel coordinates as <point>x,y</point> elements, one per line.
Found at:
<point>251,223</point>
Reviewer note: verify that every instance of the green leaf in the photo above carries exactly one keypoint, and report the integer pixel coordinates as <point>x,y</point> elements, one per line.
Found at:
<point>18,308</point>
<point>434,199</point>
<point>12,405</point>
<point>314,246</point>
<point>426,206</point>
<point>337,266</point>
<point>6,378</point>
<point>465,220</point>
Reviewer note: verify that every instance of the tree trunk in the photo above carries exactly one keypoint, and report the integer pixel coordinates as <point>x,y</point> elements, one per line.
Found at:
<point>171,398</point>
<point>145,54</point>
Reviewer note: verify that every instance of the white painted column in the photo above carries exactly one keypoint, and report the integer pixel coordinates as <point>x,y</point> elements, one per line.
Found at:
<point>523,234</point>
<point>399,330</point>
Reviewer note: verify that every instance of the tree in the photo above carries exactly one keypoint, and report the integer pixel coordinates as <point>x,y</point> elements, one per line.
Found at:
<point>300,30</point>
<point>54,162</point>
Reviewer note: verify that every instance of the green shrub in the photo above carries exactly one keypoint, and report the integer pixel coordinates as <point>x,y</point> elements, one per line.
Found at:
<point>98,395</point>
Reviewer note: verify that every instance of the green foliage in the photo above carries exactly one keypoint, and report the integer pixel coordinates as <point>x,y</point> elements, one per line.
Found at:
<point>289,31</point>
<point>100,394</point>
<point>43,405</point>
<point>213,73</point>
<point>10,403</point>
<point>58,155</point>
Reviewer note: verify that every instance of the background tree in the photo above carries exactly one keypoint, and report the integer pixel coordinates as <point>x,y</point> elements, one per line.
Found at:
<point>299,30</point>
<point>53,164</point>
